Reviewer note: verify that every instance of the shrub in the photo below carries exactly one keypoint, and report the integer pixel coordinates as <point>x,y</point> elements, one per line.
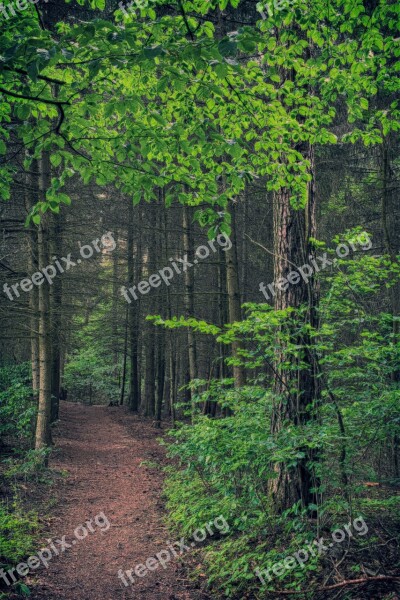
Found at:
<point>18,406</point>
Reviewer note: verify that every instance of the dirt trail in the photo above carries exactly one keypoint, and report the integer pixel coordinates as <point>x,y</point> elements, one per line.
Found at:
<point>102,449</point>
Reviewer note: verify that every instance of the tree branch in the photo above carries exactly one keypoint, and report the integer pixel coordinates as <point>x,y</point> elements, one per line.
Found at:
<point>42,77</point>
<point>33,98</point>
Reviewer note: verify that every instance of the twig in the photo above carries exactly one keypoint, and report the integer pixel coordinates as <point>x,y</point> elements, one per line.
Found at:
<point>269,251</point>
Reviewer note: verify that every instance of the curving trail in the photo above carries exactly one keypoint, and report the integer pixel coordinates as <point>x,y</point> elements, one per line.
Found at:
<point>101,449</point>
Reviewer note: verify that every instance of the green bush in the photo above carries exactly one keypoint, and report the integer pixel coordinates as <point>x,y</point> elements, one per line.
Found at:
<point>29,465</point>
<point>226,464</point>
<point>18,406</point>
<point>17,531</point>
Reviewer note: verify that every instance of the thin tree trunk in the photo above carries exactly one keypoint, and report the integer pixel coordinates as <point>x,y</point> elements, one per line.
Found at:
<point>235,312</point>
<point>170,344</point>
<point>161,346</point>
<point>31,197</point>
<point>172,379</point>
<point>150,370</point>
<point>115,316</point>
<point>150,388</point>
<point>124,360</point>
<point>189,298</point>
<point>43,430</point>
<point>134,307</point>
<point>160,377</point>
<point>56,313</point>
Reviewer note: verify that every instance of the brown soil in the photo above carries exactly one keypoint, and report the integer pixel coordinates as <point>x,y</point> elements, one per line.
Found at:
<point>102,450</point>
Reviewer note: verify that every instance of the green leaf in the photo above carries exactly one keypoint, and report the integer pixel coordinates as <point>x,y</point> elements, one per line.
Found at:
<point>153,51</point>
<point>64,199</point>
<point>227,47</point>
<point>33,71</point>
<point>23,589</point>
<point>23,111</point>
<point>55,160</point>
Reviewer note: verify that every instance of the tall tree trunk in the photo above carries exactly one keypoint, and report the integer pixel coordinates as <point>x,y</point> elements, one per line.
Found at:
<point>161,346</point>
<point>232,280</point>
<point>134,307</point>
<point>221,317</point>
<point>115,316</point>
<point>150,368</point>
<point>124,358</point>
<point>43,430</point>
<point>160,376</point>
<point>172,379</point>
<point>150,375</point>
<point>296,389</point>
<point>56,315</point>
<point>170,342</point>
<point>31,197</point>
<point>189,297</point>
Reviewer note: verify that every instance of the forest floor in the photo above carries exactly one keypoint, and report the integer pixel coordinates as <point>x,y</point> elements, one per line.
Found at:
<point>101,450</point>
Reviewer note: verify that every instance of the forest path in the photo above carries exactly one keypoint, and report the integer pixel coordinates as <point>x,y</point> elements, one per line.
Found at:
<point>102,449</point>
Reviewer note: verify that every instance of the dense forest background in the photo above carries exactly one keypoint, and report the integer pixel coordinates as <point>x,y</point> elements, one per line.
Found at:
<point>208,195</point>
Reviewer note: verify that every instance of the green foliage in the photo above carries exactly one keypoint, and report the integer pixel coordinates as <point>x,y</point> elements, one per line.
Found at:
<point>30,466</point>
<point>18,406</point>
<point>153,108</point>
<point>89,372</point>
<point>17,529</point>
<point>222,458</point>
<point>230,461</point>
<point>89,376</point>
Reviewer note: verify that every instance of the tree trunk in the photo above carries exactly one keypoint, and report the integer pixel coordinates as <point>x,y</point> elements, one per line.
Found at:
<point>235,312</point>
<point>150,375</point>
<point>56,313</point>
<point>134,307</point>
<point>160,376</point>
<point>124,359</point>
<point>115,315</point>
<point>31,197</point>
<point>172,379</point>
<point>161,346</point>
<point>189,297</point>
<point>150,368</point>
<point>296,389</point>
<point>43,430</point>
